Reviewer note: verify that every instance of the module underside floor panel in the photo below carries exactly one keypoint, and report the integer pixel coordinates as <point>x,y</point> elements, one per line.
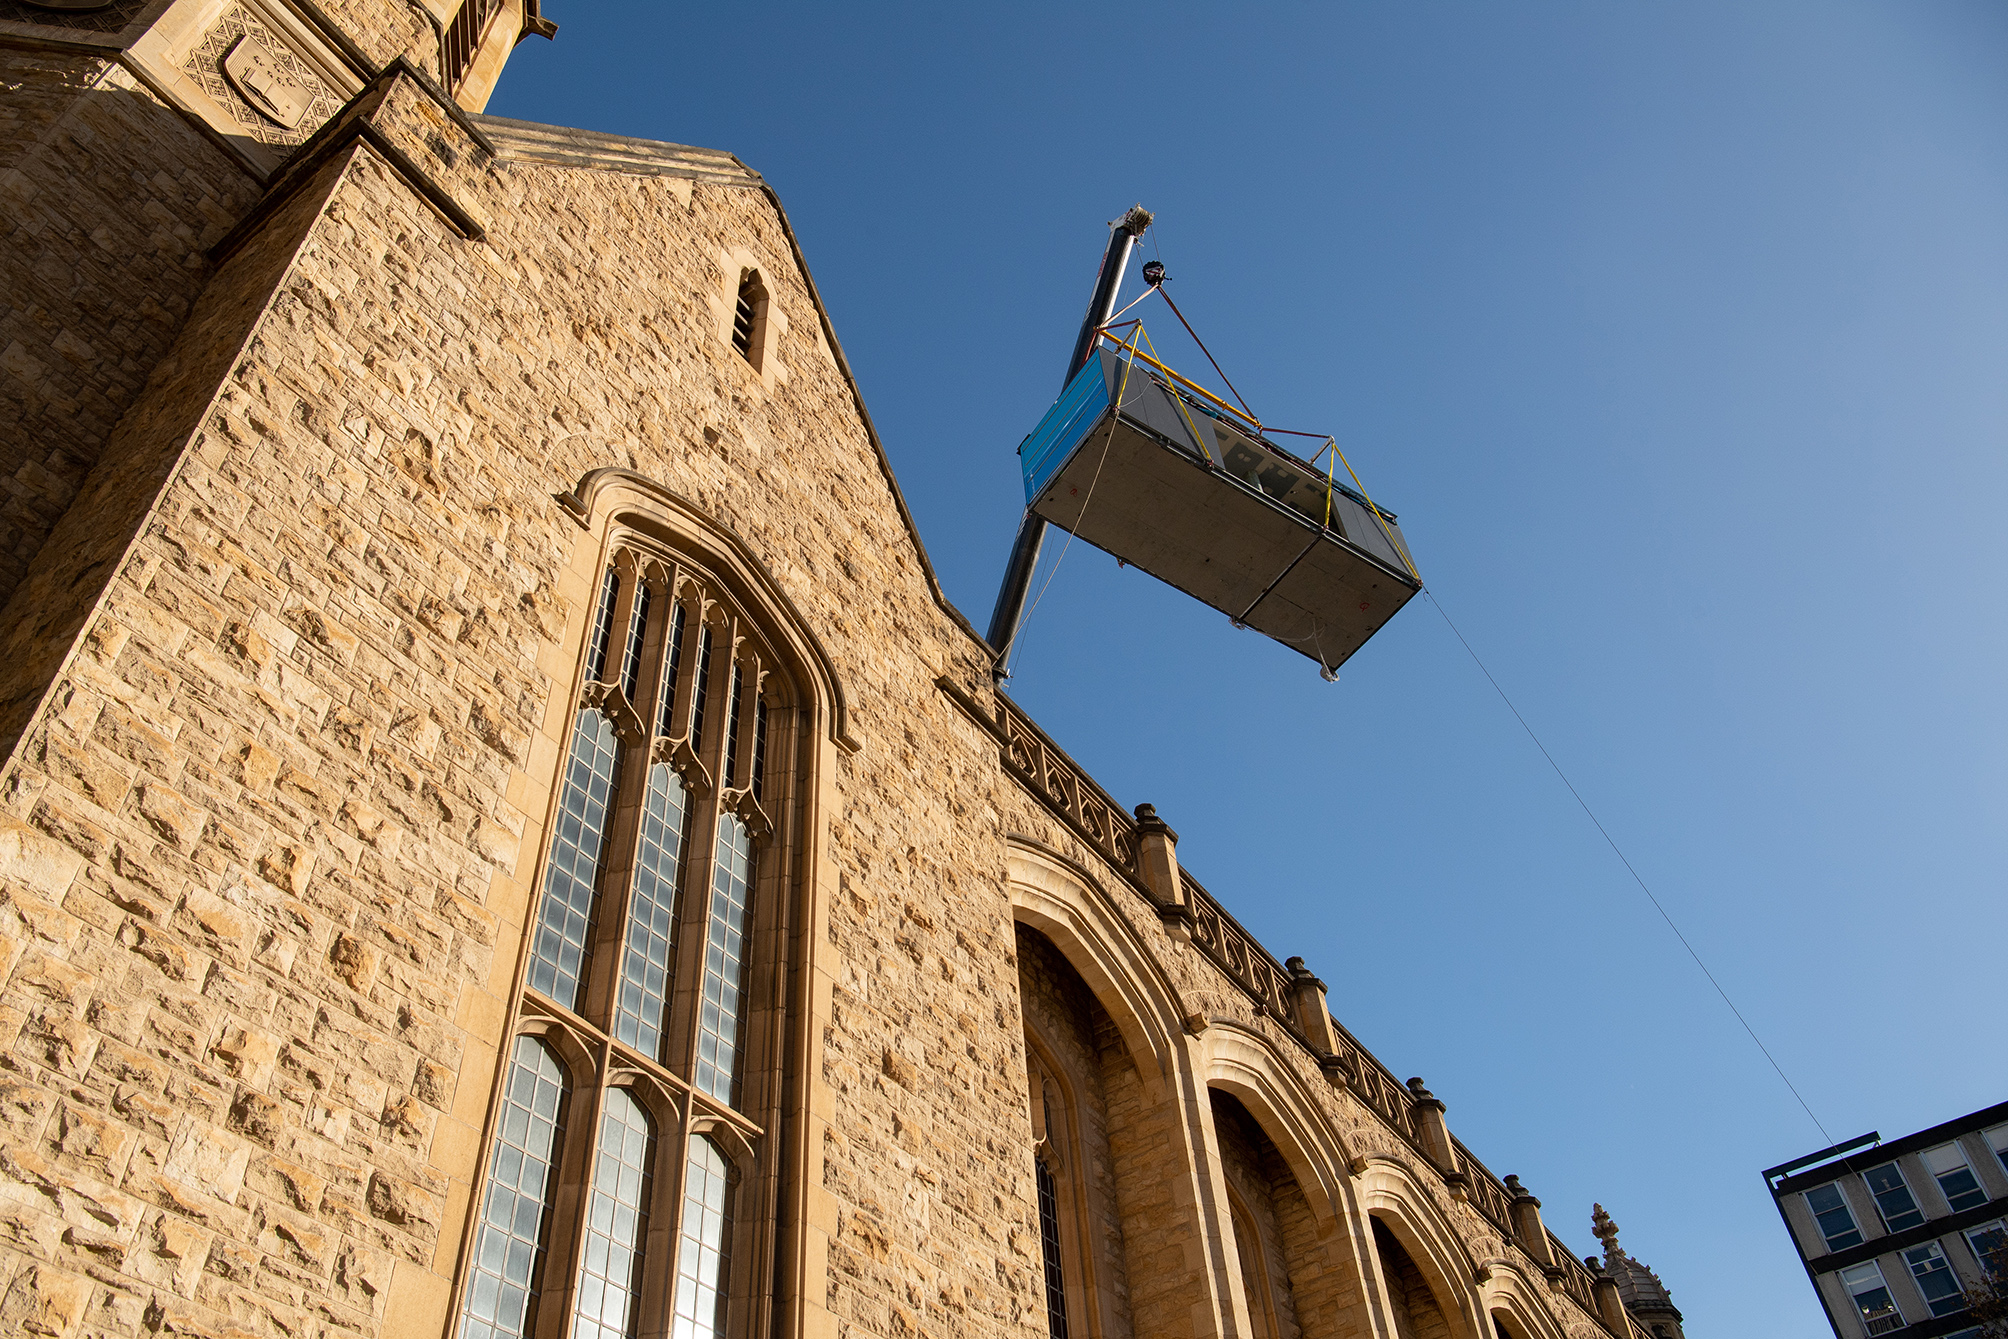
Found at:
<point>1221,541</point>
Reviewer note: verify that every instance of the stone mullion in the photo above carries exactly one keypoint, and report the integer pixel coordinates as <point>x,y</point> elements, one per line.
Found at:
<point>687,984</point>
<point>673,1169</point>
<point>770,934</point>
<point>762,1074</point>
<point>564,1219</point>
<point>655,1300</point>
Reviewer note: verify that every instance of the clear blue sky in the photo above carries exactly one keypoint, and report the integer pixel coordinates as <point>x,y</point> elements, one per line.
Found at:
<point>1676,334</point>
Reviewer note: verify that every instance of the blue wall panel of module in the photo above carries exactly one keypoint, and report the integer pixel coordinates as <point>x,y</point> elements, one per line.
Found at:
<point>1170,486</point>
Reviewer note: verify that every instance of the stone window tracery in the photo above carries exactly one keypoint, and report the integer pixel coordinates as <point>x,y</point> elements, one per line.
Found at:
<point>660,878</point>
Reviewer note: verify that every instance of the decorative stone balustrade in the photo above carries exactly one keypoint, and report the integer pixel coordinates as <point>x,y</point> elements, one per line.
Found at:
<point>1089,811</point>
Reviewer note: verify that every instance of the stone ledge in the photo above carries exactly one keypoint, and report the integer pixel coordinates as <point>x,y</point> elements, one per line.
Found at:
<point>593,151</point>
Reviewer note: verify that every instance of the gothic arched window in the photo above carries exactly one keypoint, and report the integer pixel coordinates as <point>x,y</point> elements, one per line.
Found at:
<point>1052,1185</point>
<point>658,878</point>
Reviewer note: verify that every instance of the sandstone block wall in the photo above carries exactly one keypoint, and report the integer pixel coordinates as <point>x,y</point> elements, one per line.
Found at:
<point>108,199</point>
<point>286,754</point>
<point>287,696</point>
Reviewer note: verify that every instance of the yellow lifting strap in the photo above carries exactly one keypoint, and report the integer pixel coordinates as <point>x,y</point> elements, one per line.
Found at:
<point>1380,519</point>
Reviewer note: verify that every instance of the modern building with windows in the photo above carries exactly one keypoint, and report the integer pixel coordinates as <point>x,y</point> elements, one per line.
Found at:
<point>1894,1235</point>
<point>503,837</point>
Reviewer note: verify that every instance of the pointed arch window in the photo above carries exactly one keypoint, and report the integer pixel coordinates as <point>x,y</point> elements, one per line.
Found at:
<point>704,1252</point>
<point>1057,1196</point>
<point>510,1243</point>
<point>1050,1250</point>
<point>659,878</point>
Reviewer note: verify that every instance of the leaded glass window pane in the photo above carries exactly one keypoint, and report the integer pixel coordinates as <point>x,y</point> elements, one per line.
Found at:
<point>637,634</point>
<point>700,687</point>
<point>603,626</point>
<point>503,1279</point>
<point>1049,1250</point>
<point>651,927</point>
<point>672,667</point>
<point>703,1256</point>
<point>732,731</point>
<point>566,913</point>
<point>724,958</point>
<point>610,1255</point>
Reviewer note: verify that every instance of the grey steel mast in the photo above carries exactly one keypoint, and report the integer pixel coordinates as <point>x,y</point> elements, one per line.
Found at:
<point>1123,235</point>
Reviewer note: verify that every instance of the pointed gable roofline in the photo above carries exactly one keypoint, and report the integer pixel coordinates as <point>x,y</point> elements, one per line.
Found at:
<point>560,146</point>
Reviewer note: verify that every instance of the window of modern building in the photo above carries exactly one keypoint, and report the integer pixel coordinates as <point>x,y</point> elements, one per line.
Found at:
<point>1830,1211</point>
<point>1878,1310</point>
<point>1997,1139</point>
<point>1947,1165</point>
<point>1893,1198</point>
<point>634,1005</point>
<point>1935,1279</point>
<point>1989,1241</point>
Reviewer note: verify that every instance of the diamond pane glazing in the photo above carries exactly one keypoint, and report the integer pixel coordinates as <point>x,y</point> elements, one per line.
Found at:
<point>700,688</point>
<point>732,730</point>
<point>1049,1251</point>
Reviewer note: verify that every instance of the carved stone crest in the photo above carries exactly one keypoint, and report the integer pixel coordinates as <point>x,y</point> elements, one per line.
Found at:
<point>258,75</point>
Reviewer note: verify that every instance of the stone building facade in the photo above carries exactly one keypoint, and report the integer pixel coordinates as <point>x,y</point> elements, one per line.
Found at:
<point>501,832</point>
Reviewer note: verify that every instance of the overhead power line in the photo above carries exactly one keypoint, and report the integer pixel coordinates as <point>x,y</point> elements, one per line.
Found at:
<point>1629,867</point>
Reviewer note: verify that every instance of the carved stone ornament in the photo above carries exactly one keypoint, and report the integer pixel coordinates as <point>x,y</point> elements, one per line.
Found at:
<point>71,6</point>
<point>255,71</point>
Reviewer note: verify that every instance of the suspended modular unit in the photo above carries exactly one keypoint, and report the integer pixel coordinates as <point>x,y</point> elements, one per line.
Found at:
<point>1205,504</point>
